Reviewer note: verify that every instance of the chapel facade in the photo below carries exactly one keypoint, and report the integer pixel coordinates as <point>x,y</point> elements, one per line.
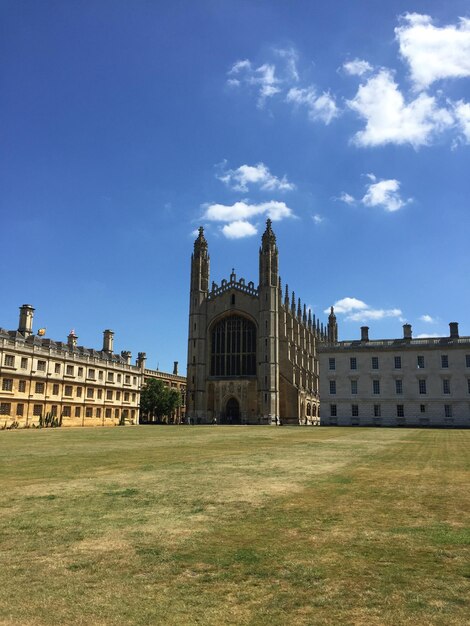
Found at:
<point>252,352</point>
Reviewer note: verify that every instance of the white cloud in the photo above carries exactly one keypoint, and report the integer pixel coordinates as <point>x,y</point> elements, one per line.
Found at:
<point>434,53</point>
<point>427,335</point>
<point>428,319</point>
<point>389,119</point>
<point>318,219</point>
<point>263,78</point>
<point>358,311</point>
<point>385,194</point>
<point>357,67</point>
<point>259,174</point>
<point>462,114</point>
<point>321,107</point>
<point>346,197</point>
<point>291,57</point>
<point>242,211</point>
<point>238,229</point>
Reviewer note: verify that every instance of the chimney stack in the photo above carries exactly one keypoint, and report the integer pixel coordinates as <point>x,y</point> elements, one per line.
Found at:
<point>175,368</point>
<point>141,359</point>
<point>407,331</point>
<point>454,330</point>
<point>127,356</point>
<point>72,339</point>
<point>108,341</point>
<point>364,333</point>
<point>25,325</point>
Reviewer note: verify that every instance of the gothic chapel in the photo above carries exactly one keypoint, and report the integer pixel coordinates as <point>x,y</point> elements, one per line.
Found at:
<point>252,354</point>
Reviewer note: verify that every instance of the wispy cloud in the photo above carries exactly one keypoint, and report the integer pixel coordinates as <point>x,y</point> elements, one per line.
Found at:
<point>357,67</point>
<point>427,335</point>
<point>433,52</point>
<point>428,319</point>
<point>258,175</point>
<point>318,219</point>
<point>280,77</point>
<point>356,310</point>
<point>347,198</point>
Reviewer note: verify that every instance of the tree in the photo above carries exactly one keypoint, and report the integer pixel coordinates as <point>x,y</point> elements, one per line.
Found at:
<point>158,401</point>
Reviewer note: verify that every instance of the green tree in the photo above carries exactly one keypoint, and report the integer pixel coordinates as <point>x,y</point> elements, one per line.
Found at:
<point>157,401</point>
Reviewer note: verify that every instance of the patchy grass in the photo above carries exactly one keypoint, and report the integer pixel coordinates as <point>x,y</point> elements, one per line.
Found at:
<point>241,525</point>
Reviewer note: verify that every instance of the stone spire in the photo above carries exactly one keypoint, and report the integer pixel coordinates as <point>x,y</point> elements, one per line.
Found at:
<point>332,328</point>
<point>299,310</point>
<point>292,306</point>
<point>286,297</point>
<point>304,316</point>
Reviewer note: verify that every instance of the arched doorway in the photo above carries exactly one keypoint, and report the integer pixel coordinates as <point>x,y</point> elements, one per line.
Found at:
<point>232,411</point>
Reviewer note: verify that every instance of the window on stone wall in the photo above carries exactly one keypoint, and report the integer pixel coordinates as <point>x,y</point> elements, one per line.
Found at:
<point>9,360</point>
<point>233,348</point>
<point>39,388</point>
<point>5,408</point>
<point>24,363</point>
<point>22,386</point>
<point>7,384</point>
<point>333,410</point>
<point>20,409</point>
<point>67,411</point>
<point>42,366</point>
<point>37,410</point>
<point>355,410</point>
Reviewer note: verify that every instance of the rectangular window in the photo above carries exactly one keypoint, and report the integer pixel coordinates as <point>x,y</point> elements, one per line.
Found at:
<point>467,360</point>
<point>377,411</point>
<point>88,411</point>
<point>55,389</point>
<point>100,375</point>
<point>98,412</point>
<point>5,408</point>
<point>448,410</point>
<point>332,387</point>
<point>68,390</point>
<point>444,360</point>
<point>400,410</point>
<point>116,413</point>
<point>67,411</point>
<point>9,360</point>
<point>77,411</point>
<point>127,379</point>
<point>89,392</point>
<point>446,386</point>
<point>91,374</point>
<point>375,362</point>
<point>119,378</point>
<point>354,387</point>
<point>182,395</point>
<point>468,384</point>
<point>332,364</point>
<point>355,410</point>
<point>22,386</point>
<point>422,386</point>
<point>20,409</point>
<point>398,362</point>
<point>420,362</point>
<point>399,386</point>
<point>37,410</point>
<point>7,384</point>
<point>353,363</point>
<point>134,380</point>
<point>332,410</point>
<point>80,371</point>
<point>39,388</point>
<point>79,392</point>
<point>57,368</point>
<point>422,408</point>
<point>54,410</point>
<point>108,413</point>
<point>118,395</point>
<point>24,363</point>
<point>100,394</point>
<point>126,396</point>
<point>110,377</point>
<point>69,370</point>
<point>376,387</point>
<point>42,366</point>
<point>109,395</point>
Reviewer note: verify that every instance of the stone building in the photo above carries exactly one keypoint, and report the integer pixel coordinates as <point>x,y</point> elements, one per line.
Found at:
<point>252,352</point>
<point>79,386</point>
<point>396,382</point>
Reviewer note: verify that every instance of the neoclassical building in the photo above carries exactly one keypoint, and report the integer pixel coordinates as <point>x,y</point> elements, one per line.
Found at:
<point>252,353</point>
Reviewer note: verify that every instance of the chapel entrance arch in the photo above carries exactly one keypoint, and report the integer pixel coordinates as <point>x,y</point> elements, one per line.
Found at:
<point>232,411</point>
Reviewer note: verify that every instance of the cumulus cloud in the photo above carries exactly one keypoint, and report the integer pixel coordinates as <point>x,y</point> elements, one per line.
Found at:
<point>238,215</point>
<point>239,229</point>
<point>356,310</point>
<point>318,219</point>
<point>239,179</point>
<point>462,114</point>
<point>385,194</point>
<point>322,107</point>
<point>389,119</point>
<point>428,319</point>
<point>433,52</point>
<point>357,67</point>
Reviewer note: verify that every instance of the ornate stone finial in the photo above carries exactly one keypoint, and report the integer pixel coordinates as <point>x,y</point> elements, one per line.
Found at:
<point>200,243</point>
<point>268,236</point>
<point>299,309</point>
<point>304,316</point>
<point>292,306</point>
<point>286,297</point>
<point>309,318</point>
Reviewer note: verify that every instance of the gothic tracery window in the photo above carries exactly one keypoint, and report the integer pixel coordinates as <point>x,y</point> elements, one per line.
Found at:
<point>233,347</point>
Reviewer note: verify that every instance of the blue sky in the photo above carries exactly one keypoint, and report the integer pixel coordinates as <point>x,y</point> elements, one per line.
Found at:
<point>125,125</point>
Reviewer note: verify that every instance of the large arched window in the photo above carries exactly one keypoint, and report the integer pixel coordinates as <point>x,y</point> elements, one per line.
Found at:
<point>233,347</point>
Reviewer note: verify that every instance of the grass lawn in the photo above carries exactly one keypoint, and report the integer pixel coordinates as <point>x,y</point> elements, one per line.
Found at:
<point>234,525</point>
